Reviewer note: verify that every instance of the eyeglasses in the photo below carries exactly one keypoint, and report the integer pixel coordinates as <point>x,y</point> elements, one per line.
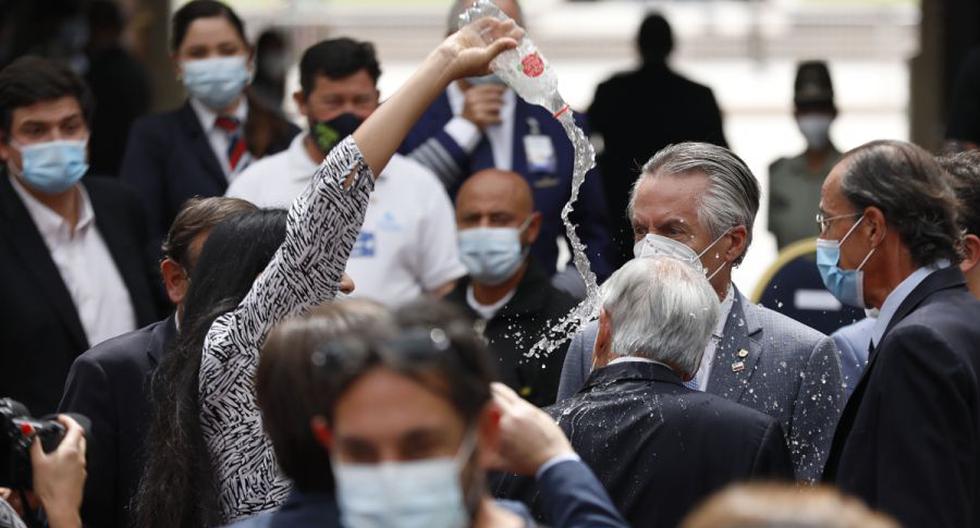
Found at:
<point>824,221</point>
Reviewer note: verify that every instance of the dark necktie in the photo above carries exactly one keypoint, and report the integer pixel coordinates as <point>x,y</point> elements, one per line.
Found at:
<point>236,143</point>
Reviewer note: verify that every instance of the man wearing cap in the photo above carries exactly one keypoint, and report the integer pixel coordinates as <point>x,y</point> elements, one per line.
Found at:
<point>793,182</point>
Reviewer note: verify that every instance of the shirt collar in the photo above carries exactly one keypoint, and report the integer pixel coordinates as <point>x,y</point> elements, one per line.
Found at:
<point>49,223</point>
<point>206,116</point>
<point>898,296</point>
<point>724,311</point>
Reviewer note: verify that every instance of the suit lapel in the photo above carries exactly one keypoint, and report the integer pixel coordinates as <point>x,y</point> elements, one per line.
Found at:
<point>124,254</point>
<point>737,354</point>
<point>201,145</point>
<point>30,248</point>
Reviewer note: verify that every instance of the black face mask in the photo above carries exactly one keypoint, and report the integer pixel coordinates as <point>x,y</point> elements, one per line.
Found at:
<point>327,134</point>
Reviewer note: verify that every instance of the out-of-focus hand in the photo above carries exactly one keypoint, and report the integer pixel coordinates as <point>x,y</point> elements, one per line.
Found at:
<point>60,476</point>
<point>482,104</point>
<point>470,50</point>
<point>528,436</point>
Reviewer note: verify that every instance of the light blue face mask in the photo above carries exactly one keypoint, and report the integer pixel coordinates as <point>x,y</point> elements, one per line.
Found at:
<point>846,285</point>
<point>417,494</point>
<point>492,254</point>
<point>216,82</point>
<point>53,167</point>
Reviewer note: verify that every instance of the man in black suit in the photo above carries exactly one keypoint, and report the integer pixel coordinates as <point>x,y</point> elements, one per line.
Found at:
<point>658,447</point>
<point>908,442</point>
<point>72,263</point>
<point>109,384</point>
<point>637,113</point>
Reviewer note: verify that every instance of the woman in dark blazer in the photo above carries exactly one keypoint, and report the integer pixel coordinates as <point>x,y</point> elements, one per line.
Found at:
<point>198,148</point>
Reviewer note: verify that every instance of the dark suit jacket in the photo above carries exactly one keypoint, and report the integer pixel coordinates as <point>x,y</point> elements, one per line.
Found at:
<point>551,189</point>
<point>908,442</point>
<point>535,307</point>
<point>40,330</point>
<point>169,159</point>
<point>110,385</point>
<point>660,448</point>
<point>638,113</point>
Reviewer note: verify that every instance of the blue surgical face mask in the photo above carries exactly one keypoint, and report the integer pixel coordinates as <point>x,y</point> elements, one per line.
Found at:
<point>216,82</point>
<point>54,166</point>
<point>417,494</point>
<point>492,254</point>
<point>846,285</point>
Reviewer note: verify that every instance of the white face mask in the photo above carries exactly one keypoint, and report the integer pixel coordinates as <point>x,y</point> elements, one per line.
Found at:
<point>418,494</point>
<point>816,129</point>
<point>653,245</point>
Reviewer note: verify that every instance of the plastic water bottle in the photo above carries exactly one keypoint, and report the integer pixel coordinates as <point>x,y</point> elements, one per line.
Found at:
<point>524,68</point>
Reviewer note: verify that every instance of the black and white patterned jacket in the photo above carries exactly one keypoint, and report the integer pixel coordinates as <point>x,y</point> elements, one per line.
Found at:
<point>321,229</point>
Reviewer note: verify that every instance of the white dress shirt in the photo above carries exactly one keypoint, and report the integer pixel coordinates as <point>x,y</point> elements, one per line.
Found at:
<point>407,245</point>
<point>500,136</point>
<point>219,138</point>
<point>86,267</point>
<point>700,380</point>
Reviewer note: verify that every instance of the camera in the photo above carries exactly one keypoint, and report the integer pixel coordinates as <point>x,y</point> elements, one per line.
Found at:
<point>17,432</point>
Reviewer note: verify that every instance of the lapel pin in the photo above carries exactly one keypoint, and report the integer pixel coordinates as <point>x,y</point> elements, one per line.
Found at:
<point>738,366</point>
<point>743,353</point>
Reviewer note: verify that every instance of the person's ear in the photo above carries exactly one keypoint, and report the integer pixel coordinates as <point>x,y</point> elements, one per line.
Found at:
<point>601,351</point>
<point>488,434</point>
<point>300,99</point>
<point>739,237</point>
<point>533,229</point>
<point>321,432</point>
<point>174,280</point>
<point>875,225</point>
<point>971,253</point>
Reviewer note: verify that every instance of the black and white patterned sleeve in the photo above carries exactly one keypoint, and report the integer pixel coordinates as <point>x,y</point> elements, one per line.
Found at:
<point>321,229</point>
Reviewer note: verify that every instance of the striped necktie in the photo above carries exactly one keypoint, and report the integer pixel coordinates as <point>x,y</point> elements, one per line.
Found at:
<point>236,143</point>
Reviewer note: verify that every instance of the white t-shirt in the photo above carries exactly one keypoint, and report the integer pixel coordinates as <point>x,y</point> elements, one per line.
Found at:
<point>407,245</point>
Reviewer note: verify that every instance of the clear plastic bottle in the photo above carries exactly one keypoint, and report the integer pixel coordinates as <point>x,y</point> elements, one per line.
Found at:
<point>524,68</point>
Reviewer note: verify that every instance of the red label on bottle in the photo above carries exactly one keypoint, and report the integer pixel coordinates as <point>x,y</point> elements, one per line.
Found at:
<point>532,65</point>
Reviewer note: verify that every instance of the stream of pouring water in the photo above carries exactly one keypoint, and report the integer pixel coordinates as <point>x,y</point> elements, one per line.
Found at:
<point>527,72</point>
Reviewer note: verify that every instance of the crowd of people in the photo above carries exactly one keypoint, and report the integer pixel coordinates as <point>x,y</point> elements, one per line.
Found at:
<point>267,326</point>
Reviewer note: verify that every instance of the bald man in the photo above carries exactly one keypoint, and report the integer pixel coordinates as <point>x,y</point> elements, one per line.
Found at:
<point>507,290</point>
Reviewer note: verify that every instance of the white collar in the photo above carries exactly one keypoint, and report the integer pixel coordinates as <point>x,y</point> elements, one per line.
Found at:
<point>634,359</point>
<point>724,311</point>
<point>49,223</point>
<point>207,117</point>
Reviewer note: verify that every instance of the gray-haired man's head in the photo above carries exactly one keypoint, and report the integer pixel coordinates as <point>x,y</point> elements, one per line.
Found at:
<point>893,209</point>
<point>702,195</point>
<point>660,309</point>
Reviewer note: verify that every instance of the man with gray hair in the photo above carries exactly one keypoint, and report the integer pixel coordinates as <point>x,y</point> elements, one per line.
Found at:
<point>908,442</point>
<point>701,199</point>
<point>657,446</point>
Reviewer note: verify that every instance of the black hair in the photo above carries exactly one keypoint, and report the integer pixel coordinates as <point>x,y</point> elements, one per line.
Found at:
<point>29,80</point>
<point>178,488</point>
<point>964,170</point>
<point>337,58</point>
<point>907,184</point>
<point>196,9</point>
<point>436,346</point>
<point>655,39</point>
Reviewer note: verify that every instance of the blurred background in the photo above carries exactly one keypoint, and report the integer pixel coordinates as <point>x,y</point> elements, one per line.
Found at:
<point>892,61</point>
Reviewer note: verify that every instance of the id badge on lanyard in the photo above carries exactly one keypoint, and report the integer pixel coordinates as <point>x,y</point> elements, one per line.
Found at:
<point>539,149</point>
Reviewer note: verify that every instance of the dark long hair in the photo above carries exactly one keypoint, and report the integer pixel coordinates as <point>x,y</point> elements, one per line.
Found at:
<point>178,488</point>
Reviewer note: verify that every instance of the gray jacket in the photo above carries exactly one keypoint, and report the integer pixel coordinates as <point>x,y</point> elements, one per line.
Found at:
<point>787,370</point>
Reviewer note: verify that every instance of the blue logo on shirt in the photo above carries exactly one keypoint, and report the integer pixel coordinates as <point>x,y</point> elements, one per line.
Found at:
<point>365,247</point>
